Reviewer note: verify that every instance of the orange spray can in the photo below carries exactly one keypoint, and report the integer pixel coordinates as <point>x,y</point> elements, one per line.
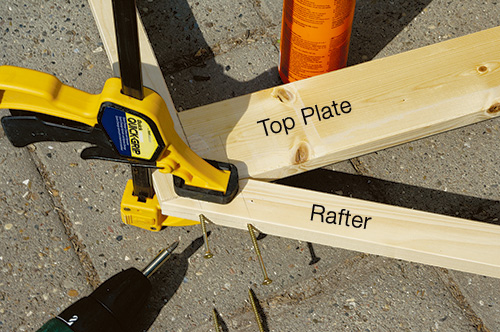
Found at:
<point>315,37</point>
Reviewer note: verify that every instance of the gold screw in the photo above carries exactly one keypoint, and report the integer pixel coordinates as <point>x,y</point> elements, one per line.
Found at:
<point>208,254</point>
<point>255,311</point>
<point>267,280</point>
<point>216,321</point>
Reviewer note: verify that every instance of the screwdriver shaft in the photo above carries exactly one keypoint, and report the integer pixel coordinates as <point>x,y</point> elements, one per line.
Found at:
<point>159,260</point>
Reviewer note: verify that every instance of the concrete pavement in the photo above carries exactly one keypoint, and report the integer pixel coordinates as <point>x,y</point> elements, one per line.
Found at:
<point>60,230</point>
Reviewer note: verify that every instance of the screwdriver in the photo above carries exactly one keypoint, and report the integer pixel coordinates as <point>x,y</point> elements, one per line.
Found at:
<point>114,305</point>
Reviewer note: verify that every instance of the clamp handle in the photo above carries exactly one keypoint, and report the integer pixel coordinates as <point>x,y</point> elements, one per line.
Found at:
<point>31,90</point>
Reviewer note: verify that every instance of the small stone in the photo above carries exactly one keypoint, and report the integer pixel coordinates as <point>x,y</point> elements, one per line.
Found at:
<point>73,293</point>
<point>119,238</point>
<point>200,52</point>
<point>67,284</point>
<point>350,304</point>
<point>8,227</point>
<point>127,258</point>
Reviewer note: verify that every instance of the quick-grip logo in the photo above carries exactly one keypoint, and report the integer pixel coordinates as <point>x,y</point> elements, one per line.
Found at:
<point>134,125</point>
<point>143,143</point>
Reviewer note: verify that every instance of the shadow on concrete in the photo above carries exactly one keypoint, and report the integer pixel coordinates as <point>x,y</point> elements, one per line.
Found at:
<point>377,22</point>
<point>398,194</point>
<point>180,47</point>
<point>165,283</point>
<point>314,259</point>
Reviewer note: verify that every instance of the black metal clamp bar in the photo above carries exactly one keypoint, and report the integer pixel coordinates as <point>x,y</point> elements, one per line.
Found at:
<point>127,42</point>
<point>129,60</point>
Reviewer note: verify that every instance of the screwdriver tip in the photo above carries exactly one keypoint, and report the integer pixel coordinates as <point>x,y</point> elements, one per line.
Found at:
<point>173,245</point>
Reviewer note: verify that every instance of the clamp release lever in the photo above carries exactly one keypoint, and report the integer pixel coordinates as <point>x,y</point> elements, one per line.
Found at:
<point>23,128</point>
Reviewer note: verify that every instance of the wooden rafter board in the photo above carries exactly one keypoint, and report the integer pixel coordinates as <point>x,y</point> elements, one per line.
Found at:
<point>300,126</point>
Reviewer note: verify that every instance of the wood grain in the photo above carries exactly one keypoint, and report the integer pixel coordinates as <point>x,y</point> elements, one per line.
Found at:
<point>394,100</point>
<point>390,231</point>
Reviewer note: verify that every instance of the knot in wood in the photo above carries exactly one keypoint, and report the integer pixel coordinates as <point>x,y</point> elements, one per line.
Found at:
<point>283,95</point>
<point>494,109</point>
<point>302,154</point>
<point>482,69</point>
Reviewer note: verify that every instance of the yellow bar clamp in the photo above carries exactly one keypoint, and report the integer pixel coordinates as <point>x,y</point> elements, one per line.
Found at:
<point>37,92</point>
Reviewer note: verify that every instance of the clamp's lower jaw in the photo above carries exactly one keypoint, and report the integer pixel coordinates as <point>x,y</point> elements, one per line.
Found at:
<point>147,214</point>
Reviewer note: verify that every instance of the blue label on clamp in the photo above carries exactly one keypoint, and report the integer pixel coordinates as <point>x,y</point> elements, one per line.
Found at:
<point>131,134</point>
<point>115,123</point>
